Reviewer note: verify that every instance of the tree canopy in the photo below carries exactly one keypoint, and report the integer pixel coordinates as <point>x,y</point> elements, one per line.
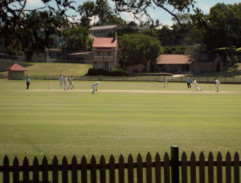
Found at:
<point>138,48</point>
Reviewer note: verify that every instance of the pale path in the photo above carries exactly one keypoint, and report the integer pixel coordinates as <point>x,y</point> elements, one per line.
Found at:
<point>133,91</point>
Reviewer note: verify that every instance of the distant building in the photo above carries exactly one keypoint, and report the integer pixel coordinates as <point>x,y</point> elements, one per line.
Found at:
<point>104,31</point>
<point>16,72</point>
<point>185,64</point>
<point>105,52</point>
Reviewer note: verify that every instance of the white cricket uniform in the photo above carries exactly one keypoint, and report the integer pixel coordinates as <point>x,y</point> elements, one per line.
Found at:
<point>195,85</point>
<point>71,83</point>
<point>94,87</point>
<point>217,85</point>
<point>165,82</point>
<point>61,80</point>
<point>65,82</point>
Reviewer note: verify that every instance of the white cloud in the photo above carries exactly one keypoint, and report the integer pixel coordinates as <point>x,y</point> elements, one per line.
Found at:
<point>34,3</point>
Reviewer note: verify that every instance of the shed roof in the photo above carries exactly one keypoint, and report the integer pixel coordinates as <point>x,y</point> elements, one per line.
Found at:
<point>104,42</point>
<point>173,59</point>
<point>16,67</point>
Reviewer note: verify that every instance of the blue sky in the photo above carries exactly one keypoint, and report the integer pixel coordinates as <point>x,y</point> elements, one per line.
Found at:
<point>163,17</point>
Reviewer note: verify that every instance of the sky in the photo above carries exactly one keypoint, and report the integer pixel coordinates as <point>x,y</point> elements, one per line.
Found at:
<point>156,14</point>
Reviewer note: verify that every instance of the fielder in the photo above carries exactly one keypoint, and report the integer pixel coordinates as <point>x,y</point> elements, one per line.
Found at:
<point>61,81</point>
<point>217,85</point>
<point>165,82</point>
<point>95,87</point>
<point>196,86</point>
<point>71,83</point>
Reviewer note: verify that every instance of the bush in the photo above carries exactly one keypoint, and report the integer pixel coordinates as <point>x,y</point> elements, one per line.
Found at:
<point>103,72</point>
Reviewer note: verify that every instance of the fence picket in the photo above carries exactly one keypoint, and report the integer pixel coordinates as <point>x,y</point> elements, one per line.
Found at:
<point>55,173</point>
<point>6,169</point>
<point>45,175</point>
<point>64,170</point>
<point>93,169</point>
<point>158,168</point>
<point>25,170</point>
<point>121,169</point>
<point>236,168</point>
<point>201,168</point>
<point>193,168</point>
<point>35,170</point>
<point>15,170</point>
<point>184,167</point>
<point>148,168</point>
<point>74,174</point>
<point>210,168</point>
<point>166,168</point>
<point>83,170</point>
<point>219,168</point>
<point>139,169</point>
<point>102,170</point>
<point>228,167</point>
<point>130,169</point>
<point>112,169</point>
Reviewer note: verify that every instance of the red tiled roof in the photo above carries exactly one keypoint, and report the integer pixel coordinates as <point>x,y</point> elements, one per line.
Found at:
<point>104,42</point>
<point>16,67</point>
<point>173,59</point>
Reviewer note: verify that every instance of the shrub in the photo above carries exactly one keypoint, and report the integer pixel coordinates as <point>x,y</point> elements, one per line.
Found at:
<point>103,72</point>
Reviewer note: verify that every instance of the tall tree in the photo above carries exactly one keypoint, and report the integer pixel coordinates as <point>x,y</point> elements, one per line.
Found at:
<point>138,48</point>
<point>14,18</point>
<point>142,6</point>
<point>77,39</point>
<point>224,28</point>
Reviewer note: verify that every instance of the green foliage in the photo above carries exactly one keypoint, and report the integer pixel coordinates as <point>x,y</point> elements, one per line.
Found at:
<point>103,72</point>
<point>174,49</point>
<point>77,39</point>
<point>138,48</point>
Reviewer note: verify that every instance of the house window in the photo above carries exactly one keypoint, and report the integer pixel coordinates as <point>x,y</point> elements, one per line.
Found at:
<point>106,66</point>
<point>98,53</point>
<point>108,53</point>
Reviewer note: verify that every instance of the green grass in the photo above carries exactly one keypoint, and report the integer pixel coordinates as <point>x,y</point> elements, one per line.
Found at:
<point>53,69</point>
<point>48,121</point>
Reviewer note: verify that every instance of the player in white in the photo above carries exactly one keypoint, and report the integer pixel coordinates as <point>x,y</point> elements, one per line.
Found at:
<point>165,82</point>
<point>217,84</point>
<point>61,80</point>
<point>65,82</point>
<point>95,87</point>
<point>71,83</point>
<point>196,86</point>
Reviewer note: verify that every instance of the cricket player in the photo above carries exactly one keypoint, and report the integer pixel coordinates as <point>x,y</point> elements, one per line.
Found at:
<point>165,82</point>
<point>95,87</point>
<point>61,80</point>
<point>196,86</point>
<point>71,83</point>
<point>217,84</point>
<point>65,82</point>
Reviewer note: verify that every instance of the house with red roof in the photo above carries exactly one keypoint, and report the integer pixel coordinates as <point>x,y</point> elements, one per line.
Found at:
<point>105,50</point>
<point>184,63</point>
<point>16,72</point>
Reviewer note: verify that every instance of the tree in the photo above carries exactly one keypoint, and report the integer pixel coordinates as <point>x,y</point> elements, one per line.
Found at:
<point>138,48</point>
<point>77,39</point>
<point>141,6</point>
<point>100,9</point>
<point>19,25</point>
<point>223,28</point>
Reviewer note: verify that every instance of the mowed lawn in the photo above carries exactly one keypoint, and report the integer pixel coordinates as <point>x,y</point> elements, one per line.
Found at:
<point>121,118</point>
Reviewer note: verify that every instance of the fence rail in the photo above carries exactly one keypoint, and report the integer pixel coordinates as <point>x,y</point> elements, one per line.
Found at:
<point>166,170</point>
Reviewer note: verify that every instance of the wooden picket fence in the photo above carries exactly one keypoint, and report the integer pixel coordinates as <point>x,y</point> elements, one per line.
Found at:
<point>148,171</point>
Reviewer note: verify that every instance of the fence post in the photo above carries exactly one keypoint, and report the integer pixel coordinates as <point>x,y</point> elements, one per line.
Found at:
<point>175,164</point>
